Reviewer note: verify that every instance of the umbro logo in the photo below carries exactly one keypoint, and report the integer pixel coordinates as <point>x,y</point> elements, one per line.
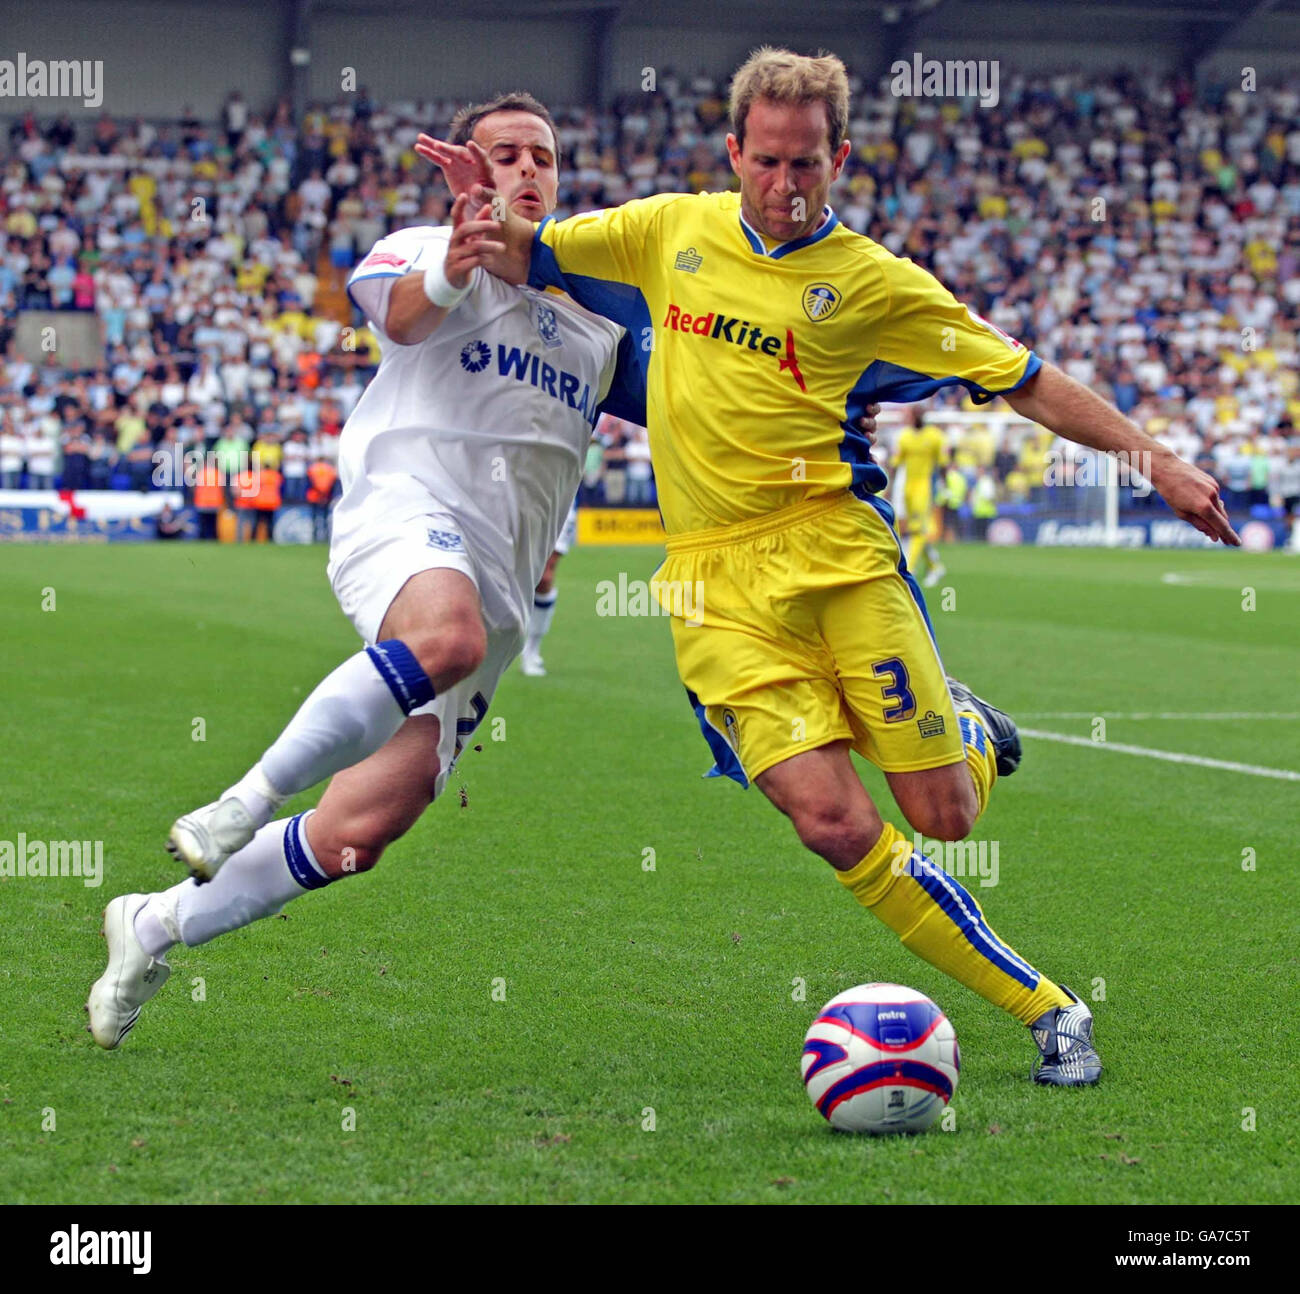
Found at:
<point>690,260</point>
<point>448,540</point>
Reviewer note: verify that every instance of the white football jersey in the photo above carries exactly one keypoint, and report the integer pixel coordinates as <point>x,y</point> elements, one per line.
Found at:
<point>491,414</point>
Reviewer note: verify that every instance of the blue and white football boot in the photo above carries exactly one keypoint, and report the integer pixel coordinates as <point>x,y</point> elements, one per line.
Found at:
<point>1067,1057</point>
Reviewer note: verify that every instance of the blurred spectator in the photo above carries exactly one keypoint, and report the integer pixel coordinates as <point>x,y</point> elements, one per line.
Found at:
<point>13,452</point>
<point>636,456</point>
<point>322,477</point>
<point>170,525</point>
<point>294,456</point>
<point>983,501</point>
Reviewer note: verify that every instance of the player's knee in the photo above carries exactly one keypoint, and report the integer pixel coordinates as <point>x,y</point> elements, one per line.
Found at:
<point>832,831</point>
<point>451,652</point>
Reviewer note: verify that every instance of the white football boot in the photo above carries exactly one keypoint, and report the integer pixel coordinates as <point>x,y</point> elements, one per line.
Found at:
<point>531,663</point>
<point>132,977</point>
<point>935,574</point>
<point>204,839</point>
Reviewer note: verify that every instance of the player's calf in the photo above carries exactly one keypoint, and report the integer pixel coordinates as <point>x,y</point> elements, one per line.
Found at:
<point>367,807</point>
<point>937,802</point>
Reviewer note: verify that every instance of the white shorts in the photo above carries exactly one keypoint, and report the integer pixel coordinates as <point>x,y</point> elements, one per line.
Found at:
<point>373,554</point>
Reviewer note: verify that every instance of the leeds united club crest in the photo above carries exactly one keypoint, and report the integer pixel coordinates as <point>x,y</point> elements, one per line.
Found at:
<point>820,301</point>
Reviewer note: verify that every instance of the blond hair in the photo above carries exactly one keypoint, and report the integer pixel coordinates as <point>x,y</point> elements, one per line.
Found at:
<point>780,76</point>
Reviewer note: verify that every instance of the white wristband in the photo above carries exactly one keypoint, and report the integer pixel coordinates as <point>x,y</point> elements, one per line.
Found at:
<point>439,291</point>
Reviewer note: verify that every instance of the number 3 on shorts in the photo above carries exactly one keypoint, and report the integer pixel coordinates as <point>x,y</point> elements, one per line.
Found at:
<point>896,689</point>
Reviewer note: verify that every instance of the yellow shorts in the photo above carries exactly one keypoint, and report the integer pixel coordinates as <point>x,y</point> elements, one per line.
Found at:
<point>803,628</point>
<point>919,509</point>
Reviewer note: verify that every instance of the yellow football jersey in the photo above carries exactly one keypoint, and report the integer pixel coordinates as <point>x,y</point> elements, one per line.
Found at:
<point>757,362</point>
<point>920,452</point>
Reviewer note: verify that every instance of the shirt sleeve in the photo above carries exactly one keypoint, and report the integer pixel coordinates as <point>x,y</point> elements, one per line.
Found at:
<point>599,258</point>
<point>931,340</point>
<point>393,256</point>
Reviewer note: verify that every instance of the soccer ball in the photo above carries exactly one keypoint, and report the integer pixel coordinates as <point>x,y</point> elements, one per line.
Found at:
<point>880,1058</point>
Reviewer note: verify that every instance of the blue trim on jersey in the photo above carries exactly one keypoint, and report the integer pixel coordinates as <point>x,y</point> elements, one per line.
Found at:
<point>378,274</point>
<point>725,761</point>
<point>300,866</point>
<point>625,304</point>
<point>799,243</point>
<point>626,397</point>
<point>855,450</point>
<point>961,909</point>
<point>361,278</point>
<point>404,675</point>
<point>756,243</point>
<point>882,381</point>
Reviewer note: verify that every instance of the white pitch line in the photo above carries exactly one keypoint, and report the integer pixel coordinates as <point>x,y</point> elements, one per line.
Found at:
<point>1171,756</point>
<point>1157,714</point>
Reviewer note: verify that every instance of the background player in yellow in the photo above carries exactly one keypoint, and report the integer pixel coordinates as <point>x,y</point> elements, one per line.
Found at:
<point>920,453</point>
<point>765,328</point>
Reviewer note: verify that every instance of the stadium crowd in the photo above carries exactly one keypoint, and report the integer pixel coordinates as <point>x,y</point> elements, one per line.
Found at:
<point>1143,234</point>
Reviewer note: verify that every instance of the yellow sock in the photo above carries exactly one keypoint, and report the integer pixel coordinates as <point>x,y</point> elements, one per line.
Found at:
<point>980,758</point>
<point>938,919</point>
<point>915,551</point>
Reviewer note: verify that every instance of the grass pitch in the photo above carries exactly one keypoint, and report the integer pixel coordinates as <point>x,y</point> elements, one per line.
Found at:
<point>628,991</point>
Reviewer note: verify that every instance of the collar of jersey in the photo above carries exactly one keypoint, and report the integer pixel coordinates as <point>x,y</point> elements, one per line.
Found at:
<point>784,249</point>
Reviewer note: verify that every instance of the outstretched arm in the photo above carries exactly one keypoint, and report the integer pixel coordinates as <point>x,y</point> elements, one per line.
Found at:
<point>468,173</point>
<point>412,312</point>
<point>1072,411</point>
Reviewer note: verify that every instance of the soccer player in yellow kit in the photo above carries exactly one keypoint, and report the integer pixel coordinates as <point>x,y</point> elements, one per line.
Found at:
<point>920,453</point>
<point>764,328</point>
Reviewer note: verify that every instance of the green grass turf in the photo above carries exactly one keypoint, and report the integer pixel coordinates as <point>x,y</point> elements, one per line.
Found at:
<point>628,989</point>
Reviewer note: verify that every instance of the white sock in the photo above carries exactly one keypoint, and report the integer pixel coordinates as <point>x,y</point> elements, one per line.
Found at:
<point>275,866</point>
<point>932,555</point>
<point>352,712</point>
<point>539,619</point>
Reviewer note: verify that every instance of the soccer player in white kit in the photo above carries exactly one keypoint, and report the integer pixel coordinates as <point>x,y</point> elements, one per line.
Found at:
<point>458,467</point>
<point>545,597</point>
